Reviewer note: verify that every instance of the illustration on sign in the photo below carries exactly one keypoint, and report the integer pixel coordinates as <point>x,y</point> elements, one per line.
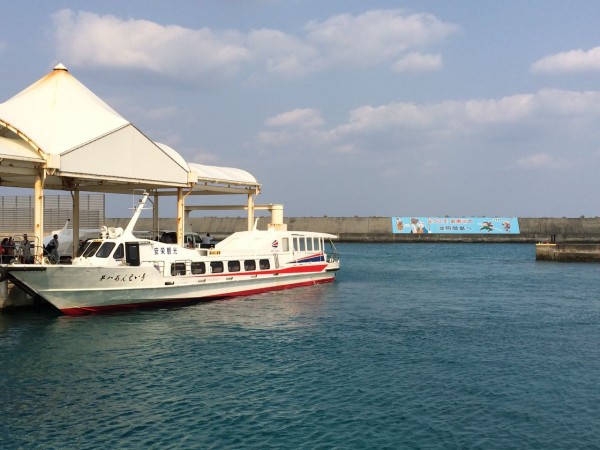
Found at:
<point>455,225</point>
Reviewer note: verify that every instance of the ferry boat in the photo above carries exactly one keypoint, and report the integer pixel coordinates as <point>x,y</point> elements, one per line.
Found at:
<point>121,271</point>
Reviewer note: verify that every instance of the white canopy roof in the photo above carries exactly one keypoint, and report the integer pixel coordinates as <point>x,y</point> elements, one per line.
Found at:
<point>226,175</point>
<point>59,124</point>
<point>223,177</point>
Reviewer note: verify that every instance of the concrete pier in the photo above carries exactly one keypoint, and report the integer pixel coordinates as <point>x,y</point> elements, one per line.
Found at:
<point>568,252</point>
<point>12,297</point>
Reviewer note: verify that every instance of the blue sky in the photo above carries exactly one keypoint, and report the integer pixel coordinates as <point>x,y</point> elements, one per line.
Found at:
<point>342,107</point>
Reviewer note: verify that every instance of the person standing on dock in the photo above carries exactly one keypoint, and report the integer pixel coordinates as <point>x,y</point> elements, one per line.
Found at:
<point>10,249</point>
<point>26,257</point>
<point>52,248</point>
<point>4,251</point>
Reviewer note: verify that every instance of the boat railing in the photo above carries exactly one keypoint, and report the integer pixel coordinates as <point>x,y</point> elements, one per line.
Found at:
<point>332,256</point>
<point>158,264</point>
<point>36,253</point>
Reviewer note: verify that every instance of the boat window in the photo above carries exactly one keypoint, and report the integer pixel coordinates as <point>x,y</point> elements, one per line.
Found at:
<point>318,244</point>
<point>249,265</point>
<point>285,245</point>
<point>216,267</point>
<point>168,237</point>
<point>309,244</point>
<point>296,245</point>
<point>302,244</point>
<point>198,268</point>
<point>119,252</point>
<point>264,264</point>
<point>178,268</point>
<point>105,250</point>
<point>91,249</point>
<point>233,266</point>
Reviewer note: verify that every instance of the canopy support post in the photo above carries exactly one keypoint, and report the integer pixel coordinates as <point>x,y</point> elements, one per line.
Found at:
<point>180,217</point>
<point>38,215</point>
<point>250,212</point>
<point>155,224</point>
<point>75,242</point>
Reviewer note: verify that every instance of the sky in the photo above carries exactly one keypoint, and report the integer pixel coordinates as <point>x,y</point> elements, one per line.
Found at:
<point>345,107</point>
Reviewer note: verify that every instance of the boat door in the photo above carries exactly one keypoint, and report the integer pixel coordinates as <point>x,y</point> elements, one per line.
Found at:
<point>132,253</point>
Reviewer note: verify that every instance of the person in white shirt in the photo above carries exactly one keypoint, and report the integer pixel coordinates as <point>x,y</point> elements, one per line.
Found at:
<point>25,248</point>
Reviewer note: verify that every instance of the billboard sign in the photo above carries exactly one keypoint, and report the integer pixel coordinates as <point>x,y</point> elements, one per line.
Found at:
<point>455,225</point>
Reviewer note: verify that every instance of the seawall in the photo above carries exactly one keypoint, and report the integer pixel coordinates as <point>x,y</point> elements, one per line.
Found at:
<point>568,252</point>
<point>379,229</point>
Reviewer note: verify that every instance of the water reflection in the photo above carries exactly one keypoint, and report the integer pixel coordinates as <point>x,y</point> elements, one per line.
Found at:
<point>293,308</point>
<point>103,334</point>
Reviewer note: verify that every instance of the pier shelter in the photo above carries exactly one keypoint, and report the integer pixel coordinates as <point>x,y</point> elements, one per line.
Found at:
<point>58,135</point>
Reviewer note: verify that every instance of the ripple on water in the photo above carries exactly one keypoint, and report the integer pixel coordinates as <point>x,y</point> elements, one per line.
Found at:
<point>446,346</point>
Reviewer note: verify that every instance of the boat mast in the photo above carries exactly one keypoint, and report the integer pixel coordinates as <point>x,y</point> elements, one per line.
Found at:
<point>136,215</point>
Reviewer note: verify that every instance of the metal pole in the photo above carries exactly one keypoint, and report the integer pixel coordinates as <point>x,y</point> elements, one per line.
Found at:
<point>38,215</point>
<point>75,242</point>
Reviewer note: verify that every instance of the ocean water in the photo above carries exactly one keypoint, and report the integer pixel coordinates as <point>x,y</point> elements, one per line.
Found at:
<point>414,346</point>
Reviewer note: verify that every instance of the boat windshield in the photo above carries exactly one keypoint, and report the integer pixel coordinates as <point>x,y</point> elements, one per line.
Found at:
<point>91,249</point>
<point>105,250</point>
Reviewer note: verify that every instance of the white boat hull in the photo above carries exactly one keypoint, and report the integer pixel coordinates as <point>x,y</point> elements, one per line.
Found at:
<point>109,288</point>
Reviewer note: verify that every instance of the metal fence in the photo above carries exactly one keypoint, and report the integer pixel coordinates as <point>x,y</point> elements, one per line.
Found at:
<point>16,212</point>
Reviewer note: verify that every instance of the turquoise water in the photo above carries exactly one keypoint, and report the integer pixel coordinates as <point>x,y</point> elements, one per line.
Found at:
<point>415,346</point>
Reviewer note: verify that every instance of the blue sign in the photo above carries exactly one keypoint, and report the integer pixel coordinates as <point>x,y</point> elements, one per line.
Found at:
<point>455,225</point>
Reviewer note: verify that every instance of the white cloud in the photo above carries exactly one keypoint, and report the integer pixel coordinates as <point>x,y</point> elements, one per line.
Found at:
<point>539,161</point>
<point>375,36</point>
<point>88,39</point>
<point>282,53</point>
<point>204,157</point>
<point>573,61</point>
<point>345,149</point>
<point>478,113</point>
<point>302,118</point>
<point>418,62</point>
<point>562,102</point>
<point>91,40</point>
<point>499,129</point>
<point>292,127</point>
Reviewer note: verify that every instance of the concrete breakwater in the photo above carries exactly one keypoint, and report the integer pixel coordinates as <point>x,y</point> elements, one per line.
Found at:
<point>379,229</point>
<point>568,252</point>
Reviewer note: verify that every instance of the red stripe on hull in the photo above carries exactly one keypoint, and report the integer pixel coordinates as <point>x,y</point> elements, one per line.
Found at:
<point>99,309</point>
<point>287,271</point>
